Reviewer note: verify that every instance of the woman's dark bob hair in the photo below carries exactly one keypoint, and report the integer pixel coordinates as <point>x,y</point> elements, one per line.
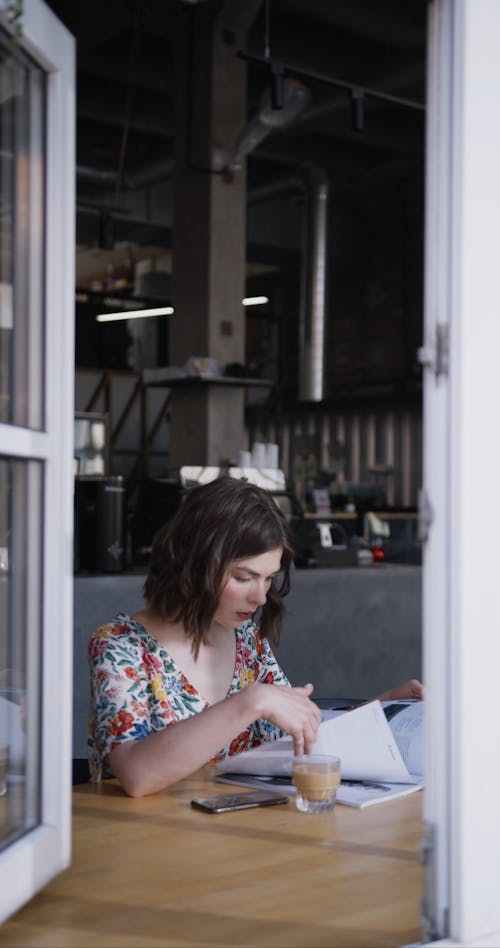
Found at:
<point>219,522</point>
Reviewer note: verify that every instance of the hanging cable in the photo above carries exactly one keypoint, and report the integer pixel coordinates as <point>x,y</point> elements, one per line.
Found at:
<point>267,30</point>
<point>131,78</point>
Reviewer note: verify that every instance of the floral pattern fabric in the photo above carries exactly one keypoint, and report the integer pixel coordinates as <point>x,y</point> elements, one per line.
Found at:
<point>137,689</point>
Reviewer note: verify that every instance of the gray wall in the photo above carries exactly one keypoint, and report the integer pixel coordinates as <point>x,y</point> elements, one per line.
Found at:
<point>352,632</point>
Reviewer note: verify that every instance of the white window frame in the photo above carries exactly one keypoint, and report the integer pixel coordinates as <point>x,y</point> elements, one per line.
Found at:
<point>30,862</point>
<point>461,469</point>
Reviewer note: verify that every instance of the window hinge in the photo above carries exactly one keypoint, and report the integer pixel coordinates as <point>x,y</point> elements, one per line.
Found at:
<point>428,904</point>
<point>436,355</point>
<point>425,515</point>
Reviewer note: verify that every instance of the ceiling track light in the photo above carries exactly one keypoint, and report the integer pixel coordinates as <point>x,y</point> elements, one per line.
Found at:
<point>332,81</point>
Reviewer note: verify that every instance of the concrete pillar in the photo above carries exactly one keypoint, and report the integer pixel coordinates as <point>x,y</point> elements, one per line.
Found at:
<point>208,282</point>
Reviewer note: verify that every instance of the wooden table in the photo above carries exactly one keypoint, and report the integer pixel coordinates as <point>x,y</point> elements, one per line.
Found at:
<point>155,872</point>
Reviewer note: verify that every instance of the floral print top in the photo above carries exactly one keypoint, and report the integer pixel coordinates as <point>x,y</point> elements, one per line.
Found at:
<point>137,689</point>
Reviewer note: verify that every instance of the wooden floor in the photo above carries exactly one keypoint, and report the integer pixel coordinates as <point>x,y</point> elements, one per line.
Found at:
<point>155,872</point>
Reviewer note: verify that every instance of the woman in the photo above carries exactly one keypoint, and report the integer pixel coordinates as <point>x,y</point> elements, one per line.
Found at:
<point>195,656</point>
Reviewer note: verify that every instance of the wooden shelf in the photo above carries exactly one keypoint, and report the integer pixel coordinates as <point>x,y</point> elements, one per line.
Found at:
<point>194,381</point>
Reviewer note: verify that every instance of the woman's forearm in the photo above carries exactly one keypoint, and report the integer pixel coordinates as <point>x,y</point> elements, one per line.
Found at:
<point>163,758</point>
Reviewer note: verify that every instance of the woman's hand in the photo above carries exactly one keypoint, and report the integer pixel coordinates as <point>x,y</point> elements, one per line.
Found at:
<point>407,689</point>
<point>292,711</point>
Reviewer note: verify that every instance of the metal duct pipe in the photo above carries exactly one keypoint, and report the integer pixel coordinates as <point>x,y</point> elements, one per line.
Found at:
<point>142,177</point>
<point>269,119</point>
<point>313,289</point>
<point>267,192</point>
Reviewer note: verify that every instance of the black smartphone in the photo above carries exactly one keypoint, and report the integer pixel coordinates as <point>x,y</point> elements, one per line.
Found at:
<point>238,801</point>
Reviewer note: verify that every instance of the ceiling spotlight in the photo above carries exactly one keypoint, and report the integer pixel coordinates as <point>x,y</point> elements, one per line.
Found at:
<point>358,110</point>
<point>277,86</point>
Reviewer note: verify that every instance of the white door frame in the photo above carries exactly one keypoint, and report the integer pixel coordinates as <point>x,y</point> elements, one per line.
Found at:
<point>30,862</point>
<point>461,474</point>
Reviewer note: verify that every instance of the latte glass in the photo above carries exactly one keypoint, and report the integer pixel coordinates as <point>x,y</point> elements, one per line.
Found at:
<point>316,778</point>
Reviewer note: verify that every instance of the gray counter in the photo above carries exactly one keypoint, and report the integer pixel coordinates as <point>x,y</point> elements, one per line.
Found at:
<point>353,632</point>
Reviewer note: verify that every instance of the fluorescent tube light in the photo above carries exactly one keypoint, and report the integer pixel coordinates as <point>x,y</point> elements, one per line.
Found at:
<point>165,310</point>
<point>135,314</point>
<point>255,300</point>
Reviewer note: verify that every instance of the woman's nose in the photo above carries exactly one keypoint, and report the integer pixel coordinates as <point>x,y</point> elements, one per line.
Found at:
<point>259,593</point>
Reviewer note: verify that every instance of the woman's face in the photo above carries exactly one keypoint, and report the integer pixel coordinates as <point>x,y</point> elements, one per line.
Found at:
<point>246,587</point>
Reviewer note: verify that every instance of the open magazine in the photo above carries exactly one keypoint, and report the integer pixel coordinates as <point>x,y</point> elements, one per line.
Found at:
<point>380,745</point>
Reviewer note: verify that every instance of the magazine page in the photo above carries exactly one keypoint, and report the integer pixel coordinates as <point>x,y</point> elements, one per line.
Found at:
<point>366,793</point>
<point>365,744</point>
<point>362,739</point>
<point>406,720</point>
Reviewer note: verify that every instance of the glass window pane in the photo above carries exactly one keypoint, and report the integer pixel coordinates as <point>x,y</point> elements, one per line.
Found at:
<point>22,215</point>
<point>20,637</point>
